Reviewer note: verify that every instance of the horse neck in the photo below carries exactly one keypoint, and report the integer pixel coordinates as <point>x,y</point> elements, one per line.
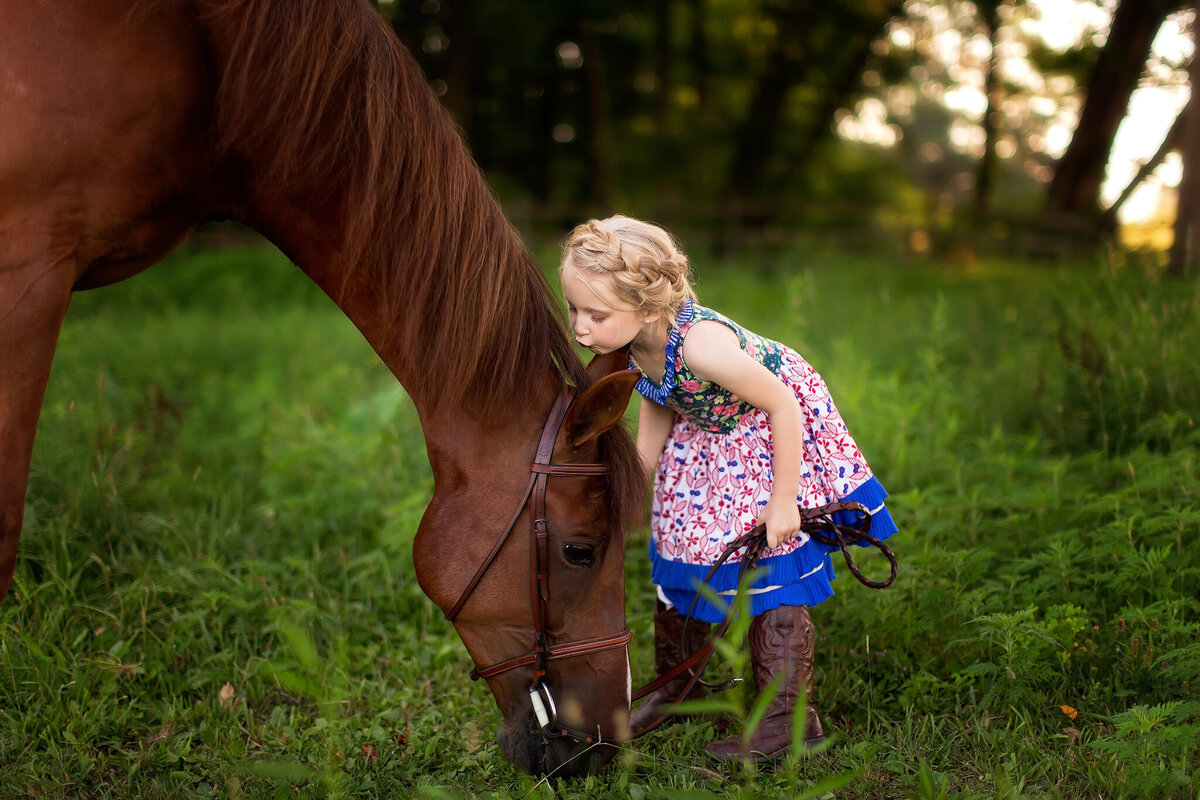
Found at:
<point>453,430</point>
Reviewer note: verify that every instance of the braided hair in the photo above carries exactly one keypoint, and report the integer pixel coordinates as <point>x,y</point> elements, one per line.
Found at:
<point>642,263</point>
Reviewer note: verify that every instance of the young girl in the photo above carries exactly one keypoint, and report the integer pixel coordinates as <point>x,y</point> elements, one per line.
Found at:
<point>736,430</point>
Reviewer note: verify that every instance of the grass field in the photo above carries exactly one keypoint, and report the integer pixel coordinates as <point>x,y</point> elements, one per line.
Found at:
<point>215,594</point>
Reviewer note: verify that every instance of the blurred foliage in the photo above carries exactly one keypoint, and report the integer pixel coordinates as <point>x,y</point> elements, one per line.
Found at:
<point>766,116</point>
<point>670,86</point>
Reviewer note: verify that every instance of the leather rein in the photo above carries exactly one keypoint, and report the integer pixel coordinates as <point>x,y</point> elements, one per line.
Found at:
<point>819,524</point>
<point>543,652</point>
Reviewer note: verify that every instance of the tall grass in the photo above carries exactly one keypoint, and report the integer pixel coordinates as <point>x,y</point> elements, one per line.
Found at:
<point>215,594</point>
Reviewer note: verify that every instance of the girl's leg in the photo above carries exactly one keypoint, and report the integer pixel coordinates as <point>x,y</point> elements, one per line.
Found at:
<point>672,643</point>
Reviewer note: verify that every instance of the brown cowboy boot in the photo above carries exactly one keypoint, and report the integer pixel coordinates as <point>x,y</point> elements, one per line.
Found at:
<point>668,632</point>
<point>781,641</point>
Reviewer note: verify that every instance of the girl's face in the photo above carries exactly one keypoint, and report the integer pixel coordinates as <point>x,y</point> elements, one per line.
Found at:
<point>602,322</point>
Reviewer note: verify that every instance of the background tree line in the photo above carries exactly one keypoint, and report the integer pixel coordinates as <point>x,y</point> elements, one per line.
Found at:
<point>931,122</point>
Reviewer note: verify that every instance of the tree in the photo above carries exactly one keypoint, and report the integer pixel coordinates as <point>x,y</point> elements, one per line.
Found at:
<point>989,13</point>
<point>822,45</point>
<point>972,94</point>
<point>683,108</point>
<point>596,132</point>
<point>1075,189</point>
<point>1185,250</point>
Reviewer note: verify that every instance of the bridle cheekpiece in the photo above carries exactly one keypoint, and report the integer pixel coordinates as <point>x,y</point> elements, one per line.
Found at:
<point>543,651</point>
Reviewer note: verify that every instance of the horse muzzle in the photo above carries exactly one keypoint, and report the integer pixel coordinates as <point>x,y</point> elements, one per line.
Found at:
<point>527,745</point>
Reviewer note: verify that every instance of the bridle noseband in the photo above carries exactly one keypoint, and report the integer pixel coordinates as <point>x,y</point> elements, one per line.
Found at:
<point>543,651</point>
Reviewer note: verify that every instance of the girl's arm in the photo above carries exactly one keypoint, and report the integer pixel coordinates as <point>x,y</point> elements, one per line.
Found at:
<point>713,353</point>
<point>654,426</point>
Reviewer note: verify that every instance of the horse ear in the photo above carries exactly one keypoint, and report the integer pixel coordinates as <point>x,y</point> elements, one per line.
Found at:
<point>603,404</point>
<point>607,364</point>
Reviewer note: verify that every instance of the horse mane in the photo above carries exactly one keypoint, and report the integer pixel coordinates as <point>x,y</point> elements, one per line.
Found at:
<point>322,95</point>
<point>316,95</point>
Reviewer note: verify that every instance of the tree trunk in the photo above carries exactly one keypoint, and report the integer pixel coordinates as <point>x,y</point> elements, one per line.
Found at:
<point>459,84</point>
<point>701,65</point>
<point>543,154</point>
<point>802,53</point>
<point>989,10</point>
<point>755,139</point>
<point>1075,188</point>
<point>597,141</point>
<point>664,62</point>
<point>1185,250</point>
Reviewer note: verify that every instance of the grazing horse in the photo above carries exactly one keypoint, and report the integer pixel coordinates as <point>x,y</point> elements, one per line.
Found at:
<point>126,123</point>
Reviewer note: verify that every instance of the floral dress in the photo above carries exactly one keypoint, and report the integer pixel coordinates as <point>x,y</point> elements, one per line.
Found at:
<point>714,478</point>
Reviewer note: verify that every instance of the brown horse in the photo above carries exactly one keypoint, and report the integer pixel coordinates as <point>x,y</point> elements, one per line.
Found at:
<point>125,124</point>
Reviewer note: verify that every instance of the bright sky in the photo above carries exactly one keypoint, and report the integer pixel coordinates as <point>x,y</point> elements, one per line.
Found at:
<point>1151,112</point>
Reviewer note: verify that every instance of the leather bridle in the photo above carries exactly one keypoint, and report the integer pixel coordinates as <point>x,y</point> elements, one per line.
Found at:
<point>817,522</point>
<point>543,651</point>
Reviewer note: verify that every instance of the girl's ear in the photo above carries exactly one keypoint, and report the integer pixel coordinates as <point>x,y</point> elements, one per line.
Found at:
<point>603,404</point>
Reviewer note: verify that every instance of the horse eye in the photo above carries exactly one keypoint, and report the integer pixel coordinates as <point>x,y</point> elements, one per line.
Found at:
<point>579,555</point>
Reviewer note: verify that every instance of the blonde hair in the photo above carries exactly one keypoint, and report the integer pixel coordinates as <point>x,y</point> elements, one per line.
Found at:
<point>642,263</point>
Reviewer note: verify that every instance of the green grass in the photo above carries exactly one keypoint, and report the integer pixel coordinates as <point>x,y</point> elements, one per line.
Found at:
<point>215,593</point>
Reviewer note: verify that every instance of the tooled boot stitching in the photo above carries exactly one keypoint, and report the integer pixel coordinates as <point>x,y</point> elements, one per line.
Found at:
<point>782,640</point>
<point>789,634</point>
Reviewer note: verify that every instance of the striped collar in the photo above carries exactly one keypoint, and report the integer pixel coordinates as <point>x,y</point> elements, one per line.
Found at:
<point>659,392</point>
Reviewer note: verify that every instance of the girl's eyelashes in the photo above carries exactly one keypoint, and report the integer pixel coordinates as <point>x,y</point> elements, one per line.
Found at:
<point>597,319</point>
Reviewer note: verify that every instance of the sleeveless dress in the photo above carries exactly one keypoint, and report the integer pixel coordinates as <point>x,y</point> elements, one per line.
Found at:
<point>714,478</point>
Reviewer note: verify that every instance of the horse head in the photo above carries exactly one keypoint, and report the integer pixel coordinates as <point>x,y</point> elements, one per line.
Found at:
<point>539,604</point>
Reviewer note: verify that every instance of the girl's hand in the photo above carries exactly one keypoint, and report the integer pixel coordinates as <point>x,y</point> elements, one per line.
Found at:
<point>782,518</point>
